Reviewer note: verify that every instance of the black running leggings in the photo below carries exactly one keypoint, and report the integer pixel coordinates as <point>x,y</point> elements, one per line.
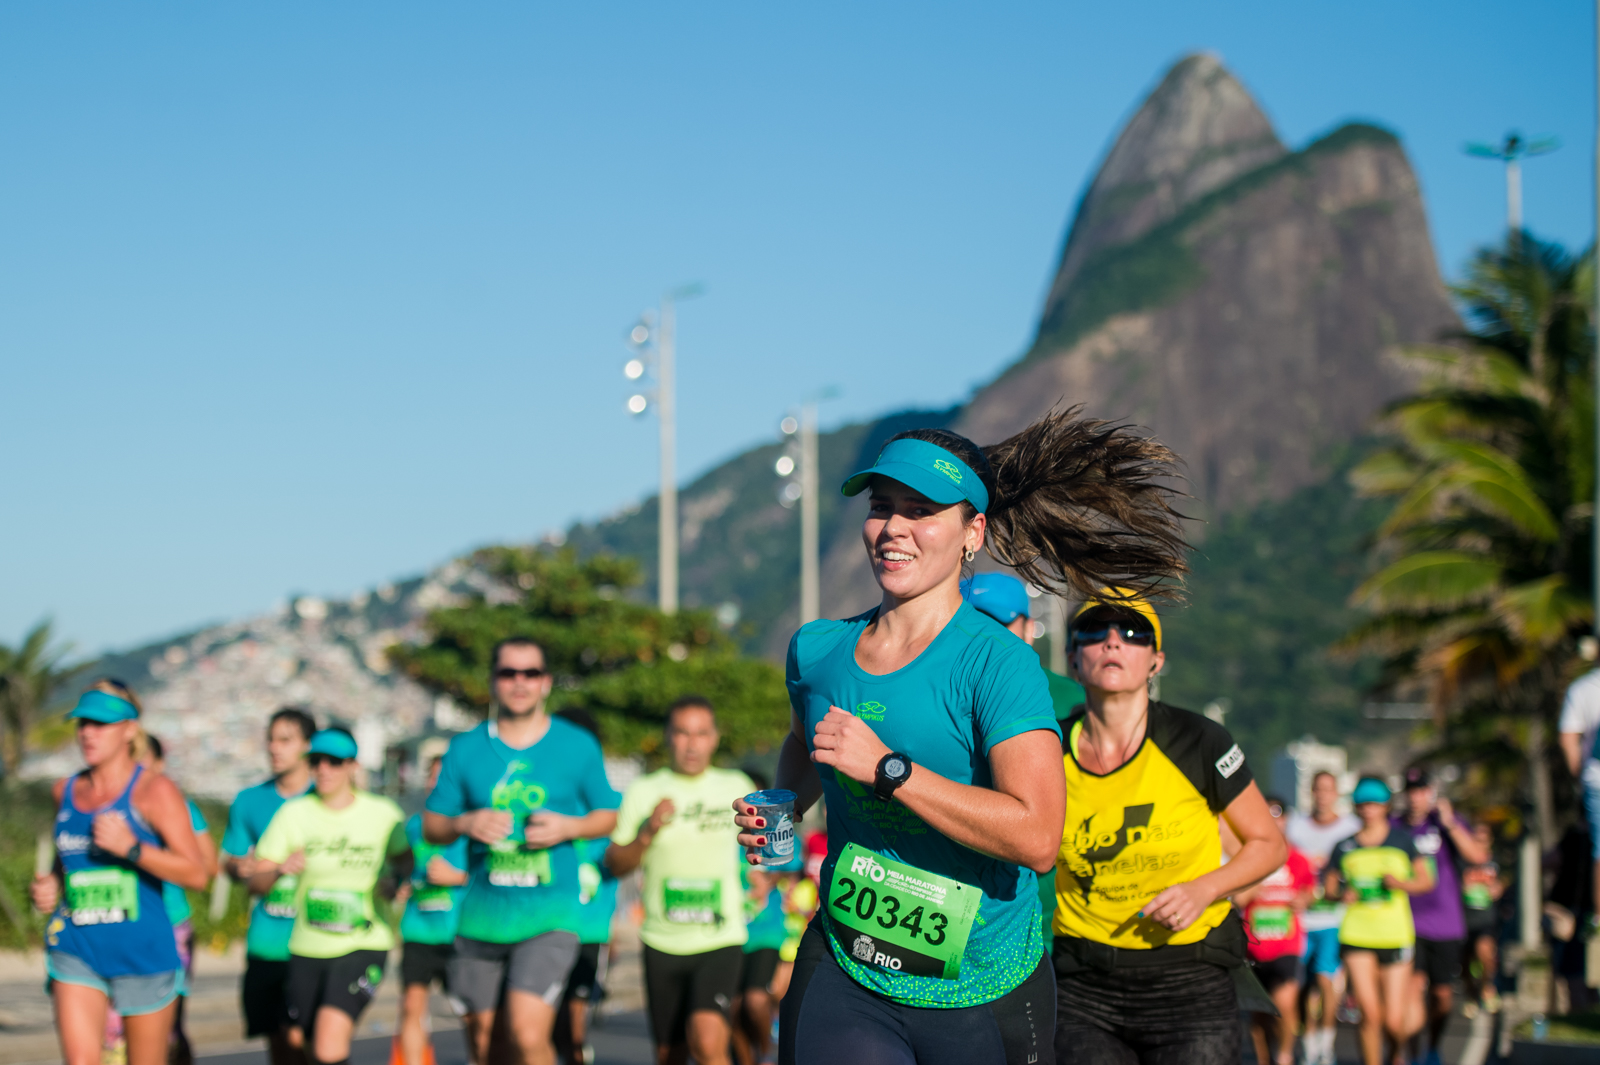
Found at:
<point>1181,1014</point>
<point>829,1019</point>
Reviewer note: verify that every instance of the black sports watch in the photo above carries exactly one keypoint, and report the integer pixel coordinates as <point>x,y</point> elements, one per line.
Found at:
<point>894,769</point>
<point>132,857</point>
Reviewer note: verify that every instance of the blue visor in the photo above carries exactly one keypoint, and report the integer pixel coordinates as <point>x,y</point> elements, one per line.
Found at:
<point>1371,790</point>
<point>1000,595</point>
<point>334,742</point>
<point>103,707</point>
<point>925,468</point>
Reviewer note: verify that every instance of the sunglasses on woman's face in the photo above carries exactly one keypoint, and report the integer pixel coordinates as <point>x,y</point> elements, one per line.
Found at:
<point>326,759</point>
<point>507,673</point>
<point>1126,633</point>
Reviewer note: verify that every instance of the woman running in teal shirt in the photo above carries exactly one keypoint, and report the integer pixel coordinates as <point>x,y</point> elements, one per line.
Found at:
<point>929,729</point>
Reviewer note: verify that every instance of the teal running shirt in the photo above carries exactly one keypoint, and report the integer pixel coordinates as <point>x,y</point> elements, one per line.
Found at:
<point>976,685</point>
<point>174,898</point>
<point>516,892</point>
<point>433,910</point>
<point>597,892</point>
<point>271,917</point>
<point>765,922</point>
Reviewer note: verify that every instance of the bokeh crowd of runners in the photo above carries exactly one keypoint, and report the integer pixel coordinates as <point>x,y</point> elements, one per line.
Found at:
<point>1013,866</point>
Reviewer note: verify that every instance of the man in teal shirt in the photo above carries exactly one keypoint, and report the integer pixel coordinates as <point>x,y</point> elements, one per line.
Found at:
<point>266,1011</point>
<point>522,788</point>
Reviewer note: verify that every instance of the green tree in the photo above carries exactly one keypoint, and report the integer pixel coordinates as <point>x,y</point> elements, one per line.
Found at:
<point>622,660</point>
<point>31,674</point>
<point>1483,578</point>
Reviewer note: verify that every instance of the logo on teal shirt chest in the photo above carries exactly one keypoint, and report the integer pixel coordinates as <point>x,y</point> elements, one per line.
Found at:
<point>871,711</point>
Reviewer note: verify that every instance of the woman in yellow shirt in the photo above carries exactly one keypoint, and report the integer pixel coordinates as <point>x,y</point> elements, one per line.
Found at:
<point>1147,947</point>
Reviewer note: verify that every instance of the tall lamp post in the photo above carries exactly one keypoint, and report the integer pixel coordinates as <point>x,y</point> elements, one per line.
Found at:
<point>660,333</point>
<point>800,462</point>
<point>1511,152</point>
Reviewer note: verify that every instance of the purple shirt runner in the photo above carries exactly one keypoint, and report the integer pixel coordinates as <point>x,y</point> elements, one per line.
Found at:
<point>1439,913</point>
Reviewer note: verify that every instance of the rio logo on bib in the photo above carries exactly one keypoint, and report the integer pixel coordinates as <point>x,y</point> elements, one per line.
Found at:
<point>898,917</point>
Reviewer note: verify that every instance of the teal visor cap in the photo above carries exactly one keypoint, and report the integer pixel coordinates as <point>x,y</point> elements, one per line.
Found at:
<point>1371,790</point>
<point>103,707</point>
<point>333,742</point>
<point>925,468</point>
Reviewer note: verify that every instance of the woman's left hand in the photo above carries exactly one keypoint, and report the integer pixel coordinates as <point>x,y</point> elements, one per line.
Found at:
<point>113,835</point>
<point>1179,906</point>
<point>848,744</point>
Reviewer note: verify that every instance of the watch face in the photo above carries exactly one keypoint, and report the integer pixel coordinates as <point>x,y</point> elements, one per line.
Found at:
<point>894,767</point>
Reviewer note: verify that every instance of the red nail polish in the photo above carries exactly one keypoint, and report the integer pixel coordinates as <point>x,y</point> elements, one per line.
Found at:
<point>761,822</point>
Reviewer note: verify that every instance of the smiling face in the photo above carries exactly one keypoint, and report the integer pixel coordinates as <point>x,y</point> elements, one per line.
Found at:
<point>914,544</point>
<point>1114,666</point>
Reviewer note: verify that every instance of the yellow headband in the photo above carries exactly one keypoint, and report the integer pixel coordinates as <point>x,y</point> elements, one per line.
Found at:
<point>1129,600</point>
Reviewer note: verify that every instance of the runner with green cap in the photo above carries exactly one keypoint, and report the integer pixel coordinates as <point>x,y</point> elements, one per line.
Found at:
<point>337,841</point>
<point>930,730</point>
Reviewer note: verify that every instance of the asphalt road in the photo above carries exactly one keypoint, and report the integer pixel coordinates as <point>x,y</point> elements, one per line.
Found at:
<point>621,1039</point>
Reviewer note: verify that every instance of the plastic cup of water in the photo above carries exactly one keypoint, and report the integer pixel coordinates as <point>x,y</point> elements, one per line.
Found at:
<point>777,806</point>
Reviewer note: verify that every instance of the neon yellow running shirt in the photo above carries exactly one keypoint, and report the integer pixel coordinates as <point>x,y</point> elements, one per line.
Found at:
<point>693,894</point>
<point>345,852</point>
<point>1380,918</point>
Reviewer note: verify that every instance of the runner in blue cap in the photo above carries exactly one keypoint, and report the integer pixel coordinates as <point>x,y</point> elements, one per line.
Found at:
<point>119,834</point>
<point>929,729</point>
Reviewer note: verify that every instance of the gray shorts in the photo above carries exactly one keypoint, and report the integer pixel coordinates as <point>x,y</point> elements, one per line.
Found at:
<point>131,996</point>
<point>537,966</point>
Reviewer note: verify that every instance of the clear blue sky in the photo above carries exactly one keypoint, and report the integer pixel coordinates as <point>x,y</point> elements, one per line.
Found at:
<point>303,297</point>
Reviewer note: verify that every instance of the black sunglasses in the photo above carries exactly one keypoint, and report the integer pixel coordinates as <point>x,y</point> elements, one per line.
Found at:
<point>1139,637</point>
<point>319,759</point>
<point>507,673</point>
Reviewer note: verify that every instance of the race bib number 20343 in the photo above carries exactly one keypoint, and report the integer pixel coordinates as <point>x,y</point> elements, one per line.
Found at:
<point>900,918</point>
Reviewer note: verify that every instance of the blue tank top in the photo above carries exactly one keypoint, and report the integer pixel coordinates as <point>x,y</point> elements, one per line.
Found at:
<point>112,915</point>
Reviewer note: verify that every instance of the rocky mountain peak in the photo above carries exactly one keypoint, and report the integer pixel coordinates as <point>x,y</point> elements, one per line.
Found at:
<point>1198,130</point>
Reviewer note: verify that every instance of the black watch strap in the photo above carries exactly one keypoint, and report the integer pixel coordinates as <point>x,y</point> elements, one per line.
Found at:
<point>894,769</point>
<point>134,852</point>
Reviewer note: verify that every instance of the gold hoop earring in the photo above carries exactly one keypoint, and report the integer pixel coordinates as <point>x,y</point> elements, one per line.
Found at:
<point>971,554</point>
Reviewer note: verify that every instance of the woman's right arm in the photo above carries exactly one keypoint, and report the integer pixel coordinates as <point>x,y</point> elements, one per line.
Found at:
<point>796,773</point>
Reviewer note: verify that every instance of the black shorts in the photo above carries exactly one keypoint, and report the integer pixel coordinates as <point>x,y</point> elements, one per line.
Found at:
<point>1439,960</point>
<point>1481,923</point>
<point>423,963</point>
<point>677,985</point>
<point>759,965</point>
<point>261,996</point>
<point>346,983</point>
<point>1022,1019</point>
<point>1187,1011</point>
<point>1279,971</point>
<point>1386,955</point>
<point>583,983</point>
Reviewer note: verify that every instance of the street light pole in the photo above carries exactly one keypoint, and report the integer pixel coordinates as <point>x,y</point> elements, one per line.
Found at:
<point>810,535</point>
<point>666,415</point>
<point>1511,152</point>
